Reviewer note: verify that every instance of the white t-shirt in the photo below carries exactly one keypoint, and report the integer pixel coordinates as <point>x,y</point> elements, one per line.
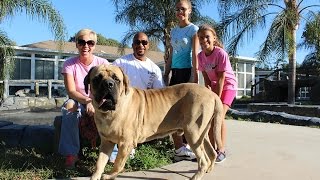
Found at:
<point>142,74</point>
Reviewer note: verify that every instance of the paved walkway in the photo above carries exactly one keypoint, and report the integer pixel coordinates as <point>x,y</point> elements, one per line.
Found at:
<point>27,117</point>
<point>256,151</point>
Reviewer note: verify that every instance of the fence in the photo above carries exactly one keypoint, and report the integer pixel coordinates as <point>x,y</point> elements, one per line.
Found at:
<point>36,83</point>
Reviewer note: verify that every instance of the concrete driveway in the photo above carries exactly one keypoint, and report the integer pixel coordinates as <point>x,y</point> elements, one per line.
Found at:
<point>255,151</point>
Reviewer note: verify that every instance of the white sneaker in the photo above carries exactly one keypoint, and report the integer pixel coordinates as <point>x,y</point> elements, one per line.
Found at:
<point>115,153</point>
<point>221,157</point>
<point>184,153</point>
<point>133,152</point>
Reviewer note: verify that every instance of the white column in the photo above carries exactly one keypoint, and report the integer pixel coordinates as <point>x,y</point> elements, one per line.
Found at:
<point>33,69</point>
<point>56,69</point>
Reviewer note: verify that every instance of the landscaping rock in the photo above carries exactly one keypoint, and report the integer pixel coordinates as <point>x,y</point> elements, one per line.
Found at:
<point>275,117</point>
<point>21,101</point>
<point>60,101</point>
<point>302,110</point>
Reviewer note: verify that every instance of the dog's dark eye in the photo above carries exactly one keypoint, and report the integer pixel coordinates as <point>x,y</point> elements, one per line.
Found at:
<point>115,78</point>
<point>97,78</point>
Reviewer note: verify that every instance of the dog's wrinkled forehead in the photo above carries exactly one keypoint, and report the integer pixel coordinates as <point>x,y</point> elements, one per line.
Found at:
<point>106,71</point>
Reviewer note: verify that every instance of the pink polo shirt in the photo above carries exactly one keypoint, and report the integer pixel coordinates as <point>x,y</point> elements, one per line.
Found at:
<point>218,61</point>
<point>74,67</point>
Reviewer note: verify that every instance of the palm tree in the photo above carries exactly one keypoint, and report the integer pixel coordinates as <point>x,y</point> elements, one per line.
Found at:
<point>154,17</point>
<point>41,10</point>
<point>311,41</point>
<point>244,18</point>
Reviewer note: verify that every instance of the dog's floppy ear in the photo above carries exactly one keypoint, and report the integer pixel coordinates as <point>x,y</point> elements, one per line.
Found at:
<point>86,81</point>
<point>125,82</point>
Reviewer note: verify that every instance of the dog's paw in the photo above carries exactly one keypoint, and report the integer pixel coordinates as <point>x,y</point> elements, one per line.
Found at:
<point>108,176</point>
<point>95,177</point>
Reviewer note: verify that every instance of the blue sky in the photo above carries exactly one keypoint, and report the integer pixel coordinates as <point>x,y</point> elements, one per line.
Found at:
<point>99,16</point>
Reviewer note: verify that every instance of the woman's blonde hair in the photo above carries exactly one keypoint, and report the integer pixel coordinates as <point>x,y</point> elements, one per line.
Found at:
<point>207,27</point>
<point>83,32</point>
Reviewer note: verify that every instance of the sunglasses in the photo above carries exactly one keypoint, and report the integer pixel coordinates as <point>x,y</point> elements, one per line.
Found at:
<point>90,43</point>
<point>138,42</point>
<point>181,9</point>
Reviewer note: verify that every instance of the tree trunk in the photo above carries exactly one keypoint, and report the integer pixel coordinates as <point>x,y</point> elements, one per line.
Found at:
<point>293,14</point>
<point>167,38</point>
<point>166,44</point>
<point>292,68</point>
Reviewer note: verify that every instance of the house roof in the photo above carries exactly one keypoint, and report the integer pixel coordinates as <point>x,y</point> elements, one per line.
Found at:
<point>107,51</point>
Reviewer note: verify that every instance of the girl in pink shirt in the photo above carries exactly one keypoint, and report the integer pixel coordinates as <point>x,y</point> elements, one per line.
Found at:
<point>218,75</point>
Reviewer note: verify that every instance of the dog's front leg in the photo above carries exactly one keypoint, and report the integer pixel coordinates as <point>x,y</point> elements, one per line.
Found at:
<point>106,148</point>
<point>124,150</point>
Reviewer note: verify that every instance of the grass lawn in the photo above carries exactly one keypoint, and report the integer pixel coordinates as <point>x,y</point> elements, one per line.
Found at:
<point>17,163</point>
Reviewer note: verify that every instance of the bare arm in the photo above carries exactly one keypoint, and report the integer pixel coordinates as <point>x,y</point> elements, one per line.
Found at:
<point>220,83</point>
<point>74,94</point>
<point>207,82</point>
<point>195,49</point>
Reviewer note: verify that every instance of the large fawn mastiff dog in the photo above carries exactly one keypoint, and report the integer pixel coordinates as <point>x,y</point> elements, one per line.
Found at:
<point>127,116</point>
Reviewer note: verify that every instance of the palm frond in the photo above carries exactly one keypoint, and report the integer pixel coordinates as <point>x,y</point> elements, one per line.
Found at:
<point>276,42</point>
<point>243,25</point>
<point>154,17</point>
<point>6,55</point>
<point>40,10</point>
<point>311,38</point>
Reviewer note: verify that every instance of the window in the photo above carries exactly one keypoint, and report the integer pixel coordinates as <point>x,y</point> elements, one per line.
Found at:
<point>248,81</point>
<point>241,80</point>
<point>44,56</point>
<point>22,69</point>
<point>44,70</point>
<point>60,66</point>
<point>23,54</point>
<point>303,93</point>
<point>249,68</point>
<point>248,93</point>
<point>261,84</point>
<point>240,67</point>
<point>240,93</point>
<point>64,57</point>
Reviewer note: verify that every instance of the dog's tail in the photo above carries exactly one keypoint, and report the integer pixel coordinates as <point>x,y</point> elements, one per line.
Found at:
<point>217,123</point>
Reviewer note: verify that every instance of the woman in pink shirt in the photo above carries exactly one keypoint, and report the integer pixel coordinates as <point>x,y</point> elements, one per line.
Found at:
<point>218,75</point>
<point>74,71</point>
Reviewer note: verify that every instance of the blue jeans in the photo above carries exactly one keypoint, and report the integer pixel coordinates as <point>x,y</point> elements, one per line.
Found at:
<point>69,143</point>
